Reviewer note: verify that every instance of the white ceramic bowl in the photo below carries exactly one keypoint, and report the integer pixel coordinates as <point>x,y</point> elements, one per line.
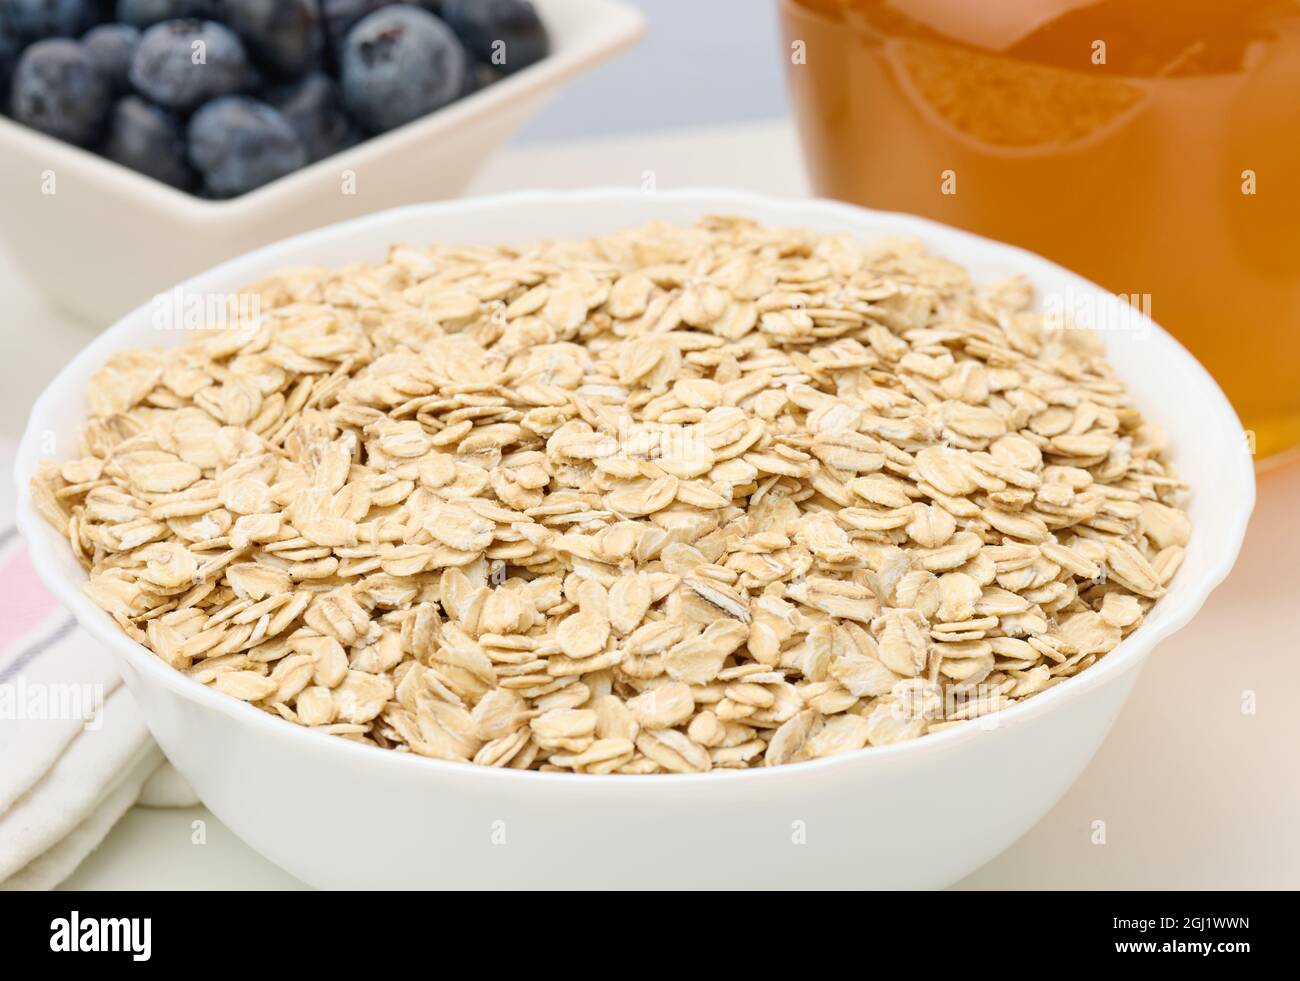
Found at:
<point>107,239</point>
<point>918,814</point>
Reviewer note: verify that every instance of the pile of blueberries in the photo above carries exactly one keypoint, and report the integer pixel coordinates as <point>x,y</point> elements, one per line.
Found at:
<point>219,97</point>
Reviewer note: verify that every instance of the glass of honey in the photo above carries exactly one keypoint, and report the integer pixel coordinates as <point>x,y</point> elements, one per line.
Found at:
<point>1153,146</point>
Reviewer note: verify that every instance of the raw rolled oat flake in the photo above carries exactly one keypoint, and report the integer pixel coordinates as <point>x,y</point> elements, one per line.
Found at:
<point>675,499</point>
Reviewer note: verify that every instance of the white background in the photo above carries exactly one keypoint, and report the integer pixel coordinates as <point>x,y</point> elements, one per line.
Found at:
<point>701,62</point>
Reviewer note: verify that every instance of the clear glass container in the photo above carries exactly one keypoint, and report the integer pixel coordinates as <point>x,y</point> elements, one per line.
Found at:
<point>1151,145</point>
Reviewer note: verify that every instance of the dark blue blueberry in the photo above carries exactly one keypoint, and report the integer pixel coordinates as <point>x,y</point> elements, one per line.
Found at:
<point>146,13</point>
<point>343,15</point>
<point>33,20</point>
<point>184,63</point>
<point>314,108</point>
<point>57,90</point>
<point>111,47</point>
<point>10,48</point>
<point>399,64</point>
<point>478,77</point>
<point>149,139</point>
<point>286,36</point>
<point>506,34</point>
<point>238,144</point>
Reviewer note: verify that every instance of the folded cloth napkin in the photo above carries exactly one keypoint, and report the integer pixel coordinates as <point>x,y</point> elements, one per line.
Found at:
<point>74,755</point>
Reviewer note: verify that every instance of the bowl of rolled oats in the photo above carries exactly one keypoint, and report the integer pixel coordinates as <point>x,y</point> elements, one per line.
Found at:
<point>609,538</point>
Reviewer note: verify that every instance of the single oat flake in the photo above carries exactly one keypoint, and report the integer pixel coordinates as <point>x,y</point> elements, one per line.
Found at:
<point>671,500</point>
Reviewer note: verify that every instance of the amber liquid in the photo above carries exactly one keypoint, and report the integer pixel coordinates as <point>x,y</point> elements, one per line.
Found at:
<point>1151,145</point>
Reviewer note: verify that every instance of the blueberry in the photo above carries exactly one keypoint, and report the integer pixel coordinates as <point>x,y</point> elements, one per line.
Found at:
<point>57,90</point>
<point>10,48</point>
<point>343,15</point>
<point>506,34</point>
<point>314,108</point>
<point>183,63</point>
<point>479,77</point>
<point>146,13</point>
<point>238,143</point>
<point>287,36</point>
<point>110,47</point>
<point>149,139</point>
<point>33,20</point>
<point>398,64</point>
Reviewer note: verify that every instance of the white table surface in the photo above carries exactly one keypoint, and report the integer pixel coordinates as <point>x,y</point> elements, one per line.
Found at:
<point>1195,793</point>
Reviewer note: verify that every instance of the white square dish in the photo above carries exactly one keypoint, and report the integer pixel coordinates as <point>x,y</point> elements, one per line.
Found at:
<point>97,239</point>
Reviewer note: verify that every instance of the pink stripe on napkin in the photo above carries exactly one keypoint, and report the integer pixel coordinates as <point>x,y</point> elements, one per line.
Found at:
<point>24,603</point>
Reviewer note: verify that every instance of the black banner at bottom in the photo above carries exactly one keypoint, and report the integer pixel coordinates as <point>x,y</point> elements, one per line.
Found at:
<point>345,932</point>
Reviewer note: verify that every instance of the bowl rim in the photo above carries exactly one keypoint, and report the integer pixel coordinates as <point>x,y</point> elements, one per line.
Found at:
<point>1237,476</point>
<point>606,28</point>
